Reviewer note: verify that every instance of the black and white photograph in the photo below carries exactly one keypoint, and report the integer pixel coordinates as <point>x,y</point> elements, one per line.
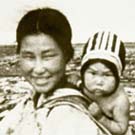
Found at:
<point>67,67</point>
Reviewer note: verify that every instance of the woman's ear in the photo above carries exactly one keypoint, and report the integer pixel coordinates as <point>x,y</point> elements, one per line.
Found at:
<point>18,66</point>
<point>17,60</point>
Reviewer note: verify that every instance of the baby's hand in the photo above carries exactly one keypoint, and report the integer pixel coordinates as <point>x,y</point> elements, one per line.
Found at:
<point>74,79</point>
<point>95,110</point>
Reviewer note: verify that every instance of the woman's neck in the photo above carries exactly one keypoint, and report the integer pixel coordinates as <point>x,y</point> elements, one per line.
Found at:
<point>37,97</point>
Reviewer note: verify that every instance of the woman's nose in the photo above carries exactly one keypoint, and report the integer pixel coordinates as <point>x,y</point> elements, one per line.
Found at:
<point>38,67</point>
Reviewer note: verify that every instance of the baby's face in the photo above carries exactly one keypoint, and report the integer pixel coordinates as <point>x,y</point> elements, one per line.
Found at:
<point>98,80</point>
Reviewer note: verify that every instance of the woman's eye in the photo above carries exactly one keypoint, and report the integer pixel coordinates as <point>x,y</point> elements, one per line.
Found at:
<point>108,74</point>
<point>48,56</point>
<point>28,56</point>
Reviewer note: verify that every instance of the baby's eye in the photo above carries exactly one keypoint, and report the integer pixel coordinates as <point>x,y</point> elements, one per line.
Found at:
<point>91,72</point>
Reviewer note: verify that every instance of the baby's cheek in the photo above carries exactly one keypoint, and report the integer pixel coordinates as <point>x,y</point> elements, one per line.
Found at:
<point>113,82</point>
<point>110,84</point>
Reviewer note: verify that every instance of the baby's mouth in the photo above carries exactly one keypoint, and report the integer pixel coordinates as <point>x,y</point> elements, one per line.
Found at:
<point>97,90</point>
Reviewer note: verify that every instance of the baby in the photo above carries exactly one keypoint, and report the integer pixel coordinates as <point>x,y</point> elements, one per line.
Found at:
<point>102,64</point>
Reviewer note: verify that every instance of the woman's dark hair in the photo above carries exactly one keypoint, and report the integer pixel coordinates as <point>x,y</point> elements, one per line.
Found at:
<point>110,65</point>
<point>48,21</point>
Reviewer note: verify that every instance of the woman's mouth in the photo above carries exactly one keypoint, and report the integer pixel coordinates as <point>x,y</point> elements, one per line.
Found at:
<point>41,80</point>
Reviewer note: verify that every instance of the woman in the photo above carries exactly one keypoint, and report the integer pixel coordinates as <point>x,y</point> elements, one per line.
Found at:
<point>56,107</point>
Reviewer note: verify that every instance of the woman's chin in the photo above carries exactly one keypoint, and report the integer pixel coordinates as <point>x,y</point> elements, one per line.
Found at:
<point>43,88</point>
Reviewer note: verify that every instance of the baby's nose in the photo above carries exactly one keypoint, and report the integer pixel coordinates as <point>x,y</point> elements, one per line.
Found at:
<point>99,80</point>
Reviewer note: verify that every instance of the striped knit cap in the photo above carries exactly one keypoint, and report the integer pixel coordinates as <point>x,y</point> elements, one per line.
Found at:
<point>105,46</point>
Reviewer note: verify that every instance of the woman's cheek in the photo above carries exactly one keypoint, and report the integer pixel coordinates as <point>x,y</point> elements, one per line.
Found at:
<point>55,65</point>
<point>26,66</point>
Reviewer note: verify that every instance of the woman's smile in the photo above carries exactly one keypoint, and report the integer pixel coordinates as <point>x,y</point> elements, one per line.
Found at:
<point>41,80</point>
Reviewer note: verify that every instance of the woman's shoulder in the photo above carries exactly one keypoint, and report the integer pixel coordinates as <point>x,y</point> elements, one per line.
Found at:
<point>67,91</point>
<point>68,119</point>
<point>69,106</point>
<point>15,112</point>
<point>67,96</point>
<point>71,120</point>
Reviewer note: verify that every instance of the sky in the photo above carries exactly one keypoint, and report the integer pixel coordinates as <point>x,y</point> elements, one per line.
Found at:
<point>85,16</point>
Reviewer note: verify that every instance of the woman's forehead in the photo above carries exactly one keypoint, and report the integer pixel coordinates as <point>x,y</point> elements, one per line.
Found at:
<point>40,41</point>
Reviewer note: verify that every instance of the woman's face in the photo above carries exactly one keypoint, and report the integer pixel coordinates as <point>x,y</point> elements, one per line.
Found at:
<point>99,80</point>
<point>42,62</point>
